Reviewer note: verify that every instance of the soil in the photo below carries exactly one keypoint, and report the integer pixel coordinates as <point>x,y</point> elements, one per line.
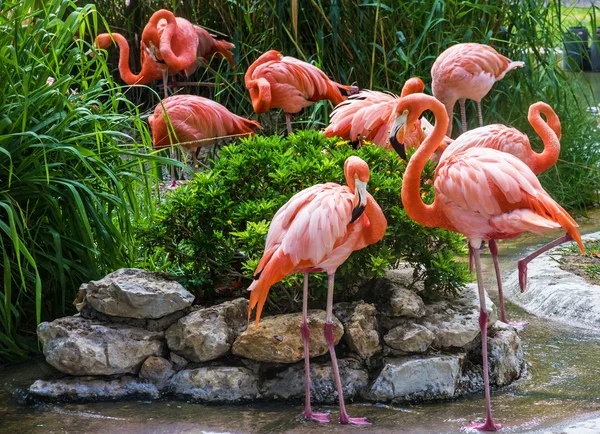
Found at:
<point>580,265</point>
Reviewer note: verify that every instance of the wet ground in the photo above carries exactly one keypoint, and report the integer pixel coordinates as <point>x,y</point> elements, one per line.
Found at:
<point>562,385</point>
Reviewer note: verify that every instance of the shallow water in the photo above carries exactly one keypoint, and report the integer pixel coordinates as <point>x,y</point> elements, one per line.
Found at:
<point>562,385</point>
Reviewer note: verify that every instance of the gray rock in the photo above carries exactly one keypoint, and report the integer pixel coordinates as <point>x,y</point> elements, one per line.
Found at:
<point>278,338</point>
<point>455,323</point>
<point>157,370</point>
<point>153,325</point>
<point>134,293</point>
<point>93,389</point>
<point>207,334</point>
<point>177,360</point>
<point>394,300</point>
<point>290,384</point>
<point>360,327</point>
<point>410,338</point>
<point>80,346</point>
<point>215,384</point>
<point>505,354</point>
<point>416,378</point>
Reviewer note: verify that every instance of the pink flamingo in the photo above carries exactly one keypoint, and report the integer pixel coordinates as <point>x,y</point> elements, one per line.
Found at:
<point>467,71</point>
<point>316,231</point>
<point>512,141</point>
<point>481,193</point>
<point>277,81</point>
<point>194,122</point>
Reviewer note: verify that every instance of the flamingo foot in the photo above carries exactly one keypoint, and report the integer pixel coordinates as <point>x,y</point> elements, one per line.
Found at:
<point>315,417</point>
<point>357,421</point>
<point>522,266</point>
<point>489,425</point>
<point>519,325</point>
<point>173,185</point>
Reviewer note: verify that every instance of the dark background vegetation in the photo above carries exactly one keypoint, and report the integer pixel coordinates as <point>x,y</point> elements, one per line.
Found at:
<point>77,171</point>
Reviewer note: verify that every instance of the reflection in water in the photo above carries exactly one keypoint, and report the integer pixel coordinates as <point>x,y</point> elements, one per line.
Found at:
<point>561,385</point>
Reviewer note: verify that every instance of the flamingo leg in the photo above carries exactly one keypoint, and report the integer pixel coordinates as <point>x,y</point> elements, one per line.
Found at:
<point>308,414</point>
<point>479,113</point>
<point>330,338</point>
<point>174,184</point>
<point>489,424</point>
<point>463,114</point>
<point>288,122</point>
<point>470,259</point>
<point>522,263</point>
<point>494,252</point>
<point>165,89</point>
<point>194,160</point>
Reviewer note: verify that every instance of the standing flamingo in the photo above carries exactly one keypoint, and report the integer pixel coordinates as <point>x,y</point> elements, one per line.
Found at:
<point>194,122</point>
<point>277,81</point>
<point>175,43</point>
<point>316,231</point>
<point>467,71</point>
<point>512,141</point>
<point>369,115</point>
<point>481,193</point>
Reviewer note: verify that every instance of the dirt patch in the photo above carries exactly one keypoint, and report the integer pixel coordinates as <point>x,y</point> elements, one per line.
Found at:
<point>586,266</point>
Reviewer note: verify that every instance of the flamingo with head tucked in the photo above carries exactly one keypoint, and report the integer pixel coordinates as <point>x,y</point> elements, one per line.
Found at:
<point>277,81</point>
<point>467,71</point>
<point>481,193</point>
<point>314,232</point>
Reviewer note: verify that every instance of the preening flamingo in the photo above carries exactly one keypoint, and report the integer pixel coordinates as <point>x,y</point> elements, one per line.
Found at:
<point>194,122</point>
<point>512,141</point>
<point>481,193</point>
<point>467,71</point>
<point>175,43</point>
<point>277,81</point>
<point>316,231</point>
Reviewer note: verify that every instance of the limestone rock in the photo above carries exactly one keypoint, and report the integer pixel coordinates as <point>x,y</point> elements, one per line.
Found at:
<point>177,360</point>
<point>505,354</point>
<point>394,300</point>
<point>416,378</point>
<point>278,338</point>
<point>157,370</point>
<point>290,384</point>
<point>360,327</point>
<point>93,389</point>
<point>80,346</point>
<point>410,338</point>
<point>455,323</point>
<point>134,293</point>
<point>154,325</point>
<point>207,334</point>
<point>215,384</point>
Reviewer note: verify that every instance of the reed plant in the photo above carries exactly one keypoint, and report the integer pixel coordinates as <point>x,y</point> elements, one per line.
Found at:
<point>74,174</point>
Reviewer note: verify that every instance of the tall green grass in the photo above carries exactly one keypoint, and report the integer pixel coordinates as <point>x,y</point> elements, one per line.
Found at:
<point>73,170</point>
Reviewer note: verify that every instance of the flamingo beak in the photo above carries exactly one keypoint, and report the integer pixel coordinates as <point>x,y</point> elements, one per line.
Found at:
<point>360,199</point>
<point>398,126</point>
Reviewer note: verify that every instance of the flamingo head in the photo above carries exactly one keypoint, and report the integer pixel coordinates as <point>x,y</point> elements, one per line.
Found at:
<point>412,85</point>
<point>103,41</point>
<point>407,113</point>
<point>357,176</point>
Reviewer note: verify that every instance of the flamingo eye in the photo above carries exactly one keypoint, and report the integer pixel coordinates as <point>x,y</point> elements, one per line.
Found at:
<point>405,113</point>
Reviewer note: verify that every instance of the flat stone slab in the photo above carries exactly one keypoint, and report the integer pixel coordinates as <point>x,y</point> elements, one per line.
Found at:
<point>93,389</point>
<point>557,294</point>
<point>80,346</point>
<point>134,293</point>
<point>215,384</point>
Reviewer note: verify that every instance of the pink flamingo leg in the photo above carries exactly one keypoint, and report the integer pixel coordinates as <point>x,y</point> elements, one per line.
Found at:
<point>288,122</point>
<point>330,338</point>
<point>463,114</point>
<point>308,414</point>
<point>522,263</point>
<point>489,424</point>
<point>165,88</point>
<point>479,113</point>
<point>470,259</point>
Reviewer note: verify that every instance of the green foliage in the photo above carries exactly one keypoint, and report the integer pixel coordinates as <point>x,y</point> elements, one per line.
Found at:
<point>70,175</point>
<point>213,230</point>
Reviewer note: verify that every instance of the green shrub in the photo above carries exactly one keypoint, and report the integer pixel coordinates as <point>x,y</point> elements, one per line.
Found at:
<point>72,178</point>
<point>213,230</point>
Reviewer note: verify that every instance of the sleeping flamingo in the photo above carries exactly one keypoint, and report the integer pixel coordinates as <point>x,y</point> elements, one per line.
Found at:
<point>512,141</point>
<point>316,231</point>
<point>369,115</point>
<point>175,44</point>
<point>481,193</point>
<point>277,81</point>
<point>194,122</point>
<point>467,71</point>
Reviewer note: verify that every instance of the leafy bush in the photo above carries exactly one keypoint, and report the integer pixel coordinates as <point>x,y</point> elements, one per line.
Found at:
<point>213,230</point>
<point>71,179</point>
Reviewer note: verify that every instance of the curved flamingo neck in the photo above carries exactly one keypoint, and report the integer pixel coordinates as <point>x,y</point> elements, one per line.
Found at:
<point>378,222</point>
<point>416,209</point>
<point>167,45</point>
<point>349,175</point>
<point>549,132</point>
<point>124,69</point>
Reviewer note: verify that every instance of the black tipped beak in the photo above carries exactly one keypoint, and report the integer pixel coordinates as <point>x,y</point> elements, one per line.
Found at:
<point>398,147</point>
<point>357,212</point>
